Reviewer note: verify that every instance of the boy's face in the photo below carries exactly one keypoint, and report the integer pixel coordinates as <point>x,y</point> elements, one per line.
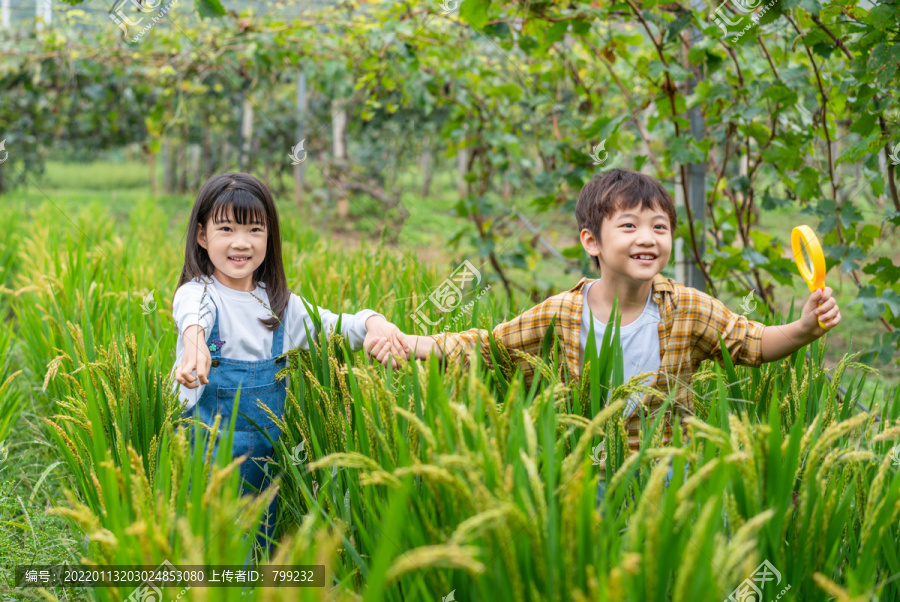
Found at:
<point>235,250</point>
<point>634,244</point>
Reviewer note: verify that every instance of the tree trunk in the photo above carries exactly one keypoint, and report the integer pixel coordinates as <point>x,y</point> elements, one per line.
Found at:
<point>426,160</point>
<point>208,164</point>
<point>151,167</point>
<point>883,170</point>
<point>462,162</point>
<point>182,166</point>
<point>246,131</point>
<point>225,160</point>
<point>168,166</point>
<point>194,180</point>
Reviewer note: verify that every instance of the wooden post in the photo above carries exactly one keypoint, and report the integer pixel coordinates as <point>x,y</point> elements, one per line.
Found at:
<point>426,161</point>
<point>207,165</point>
<point>462,164</point>
<point>194,181</point>
<point>246,130</point>
<point>181,167</point>
<point>300,170</point>
<point>696,174</point>
<point>168,177</point>
<point>151,167</point>
<point>339,148</point>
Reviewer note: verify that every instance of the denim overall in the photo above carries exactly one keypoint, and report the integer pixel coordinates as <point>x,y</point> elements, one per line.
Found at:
<point>257,381</point>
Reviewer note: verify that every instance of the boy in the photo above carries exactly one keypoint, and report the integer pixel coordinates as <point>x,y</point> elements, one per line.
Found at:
<point>626,221</point>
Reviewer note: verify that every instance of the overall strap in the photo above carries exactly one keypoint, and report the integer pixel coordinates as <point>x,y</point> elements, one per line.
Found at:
<point>278,340</point>
<point>214,335</point>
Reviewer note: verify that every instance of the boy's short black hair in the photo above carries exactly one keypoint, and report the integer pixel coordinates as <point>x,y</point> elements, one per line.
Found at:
<point>616,190</point>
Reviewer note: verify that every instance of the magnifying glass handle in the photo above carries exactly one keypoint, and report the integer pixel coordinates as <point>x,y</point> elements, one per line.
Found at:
<point>822,324</point>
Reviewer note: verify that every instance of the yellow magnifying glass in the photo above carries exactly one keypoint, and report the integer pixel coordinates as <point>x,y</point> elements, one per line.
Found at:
<point>810,259</point>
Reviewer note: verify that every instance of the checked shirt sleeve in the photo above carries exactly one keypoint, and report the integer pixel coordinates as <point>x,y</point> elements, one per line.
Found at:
<point>742,337</point>
<point>524,334</point>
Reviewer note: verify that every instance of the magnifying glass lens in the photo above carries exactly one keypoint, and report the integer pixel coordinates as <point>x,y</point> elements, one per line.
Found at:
<point>807,257</point>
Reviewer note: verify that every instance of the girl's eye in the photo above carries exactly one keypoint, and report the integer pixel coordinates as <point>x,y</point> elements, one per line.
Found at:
<point>628,225</point>
<point>661,226</point>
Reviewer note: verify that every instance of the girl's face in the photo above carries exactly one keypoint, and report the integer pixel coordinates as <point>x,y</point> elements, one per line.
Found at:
<point>235,250</point>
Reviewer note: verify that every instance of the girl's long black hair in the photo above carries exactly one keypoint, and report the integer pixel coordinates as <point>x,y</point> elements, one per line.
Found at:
<point>250,202</point>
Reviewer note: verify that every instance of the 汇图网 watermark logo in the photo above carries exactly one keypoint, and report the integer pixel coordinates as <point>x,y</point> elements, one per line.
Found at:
<point>595,153</point>
<point>751,588</point>
<point>448,295</point>
<point>149,592</point>
<point>148,304</point>
<point>126,23</point>
<point>749,304</point>
<point>750,11</point>
<point>597,454</point>
<point>449,6</point>
<point>894,155</point>
<point>298,454</point>
<point>296,157</point>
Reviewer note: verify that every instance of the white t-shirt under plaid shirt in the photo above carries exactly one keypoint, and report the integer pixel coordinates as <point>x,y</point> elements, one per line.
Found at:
<point>639,340</point>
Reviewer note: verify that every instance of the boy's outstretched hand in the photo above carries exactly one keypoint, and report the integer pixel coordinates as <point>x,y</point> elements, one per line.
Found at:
<point>820,306</point>
<point>384,341</point>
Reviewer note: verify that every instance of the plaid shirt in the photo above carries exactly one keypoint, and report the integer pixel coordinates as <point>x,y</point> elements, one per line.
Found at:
<point>689,324</point>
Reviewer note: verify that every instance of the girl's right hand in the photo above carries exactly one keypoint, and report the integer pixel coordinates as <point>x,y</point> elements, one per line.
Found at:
<point>195,357</point>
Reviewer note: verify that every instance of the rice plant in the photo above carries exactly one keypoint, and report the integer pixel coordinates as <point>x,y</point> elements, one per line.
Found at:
<point>416,483</point>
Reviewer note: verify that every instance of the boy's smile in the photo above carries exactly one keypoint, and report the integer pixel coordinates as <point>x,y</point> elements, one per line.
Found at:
<point>236,250</point>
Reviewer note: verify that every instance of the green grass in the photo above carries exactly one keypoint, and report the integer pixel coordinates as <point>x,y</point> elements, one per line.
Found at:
<point>424,480</point>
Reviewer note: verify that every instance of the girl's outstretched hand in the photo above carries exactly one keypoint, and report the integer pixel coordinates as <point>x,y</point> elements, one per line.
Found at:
<point>196,357</point>
<point>384,341</point>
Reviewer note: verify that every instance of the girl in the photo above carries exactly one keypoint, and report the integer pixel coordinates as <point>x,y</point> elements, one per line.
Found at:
<point>237,318</point>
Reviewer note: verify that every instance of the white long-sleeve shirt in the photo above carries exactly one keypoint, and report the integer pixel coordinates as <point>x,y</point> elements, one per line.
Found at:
<point>246,338</point>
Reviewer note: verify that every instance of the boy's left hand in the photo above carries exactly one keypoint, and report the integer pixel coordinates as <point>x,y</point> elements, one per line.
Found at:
<point>378,328</point>
<point>820,306</point>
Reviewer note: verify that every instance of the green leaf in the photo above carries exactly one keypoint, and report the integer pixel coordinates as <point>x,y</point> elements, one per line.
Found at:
<point>210,9</point>
<point>884,271</point>
<point>474,12</point>
<point>867,236</point>
<point>754,257</point>
<point>882,350</point>
<point>807,186</point>
<point>873,304</point>
<point>685,150</point>
<point>864,125</point>
<point>861,150</point>
<point>846,254</point>
<point>883,63</point>
<point>882,16</point>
